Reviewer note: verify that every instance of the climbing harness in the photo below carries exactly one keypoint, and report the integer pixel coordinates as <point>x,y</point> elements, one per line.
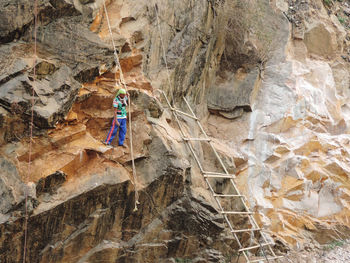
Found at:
<point>117,62</point>
<point>254,227</point>
<point>31,136</point>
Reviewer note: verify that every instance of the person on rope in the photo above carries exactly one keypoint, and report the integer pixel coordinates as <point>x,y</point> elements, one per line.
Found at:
<point>120,103</point>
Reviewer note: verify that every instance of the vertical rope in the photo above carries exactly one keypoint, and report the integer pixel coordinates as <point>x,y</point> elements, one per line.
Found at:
<point>129,106</point>
<point>31,135</point>
<point>110,32</point>
<point>163,49</point>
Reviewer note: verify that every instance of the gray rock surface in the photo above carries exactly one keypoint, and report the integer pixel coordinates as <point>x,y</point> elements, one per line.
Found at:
<point>86,213</point>
<point>233,93</point>
<point>68,53</point>
<point>11,186</point>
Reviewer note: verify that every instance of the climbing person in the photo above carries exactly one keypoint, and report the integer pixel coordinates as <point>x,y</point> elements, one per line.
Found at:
<point>119,121</point>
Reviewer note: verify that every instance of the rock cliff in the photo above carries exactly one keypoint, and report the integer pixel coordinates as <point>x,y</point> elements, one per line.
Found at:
<point>269,81</point>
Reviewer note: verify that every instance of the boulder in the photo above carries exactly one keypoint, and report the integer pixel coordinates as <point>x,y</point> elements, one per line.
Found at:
<point>233,95</point>
<point>320,40</point>
<point>50,183</point>
<point>11,186</point>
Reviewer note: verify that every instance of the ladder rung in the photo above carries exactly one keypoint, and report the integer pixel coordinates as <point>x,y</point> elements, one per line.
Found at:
<point>264,259</point>
<point>196,139</point>
<point>184,113</point>
<point>257,246</point>
<point>236,213</point>
<point>176,111</point>
<point>228,176</point>
<point>219,175</point>
<point>219,195</point>
<point>245,230</point>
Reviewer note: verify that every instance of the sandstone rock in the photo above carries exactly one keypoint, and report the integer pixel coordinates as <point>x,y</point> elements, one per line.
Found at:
<point>62,56</point>
<point>320,40</point>
<point>11,186</point>
<point>190,46</point>
<point>84,2</point>
<point>17,17</point>
<point>235,93</point>
<point>54,95</point>
<point>142,101</point>
<point>290,153</point>
<point>77,47</point>
<point>50,183</point>
<point>186,216</point>
<point>341,79</point>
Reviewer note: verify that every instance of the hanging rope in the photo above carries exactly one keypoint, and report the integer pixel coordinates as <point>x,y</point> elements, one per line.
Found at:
<point>31,135</point>
<point>117,62</point>
<point>163,49</point>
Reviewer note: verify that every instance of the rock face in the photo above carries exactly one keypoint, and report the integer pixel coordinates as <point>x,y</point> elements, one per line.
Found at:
<point>297,124</point>
<point>11,187</point>
<point>277,116</point>
<point>68,53</point>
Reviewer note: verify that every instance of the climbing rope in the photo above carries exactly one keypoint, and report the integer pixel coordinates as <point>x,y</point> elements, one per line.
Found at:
<point>117,62</point>
<point>31,136</point>
<point>163,48</point>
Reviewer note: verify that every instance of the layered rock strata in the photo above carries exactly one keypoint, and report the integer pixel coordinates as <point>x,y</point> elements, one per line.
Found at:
<point>277,116</point>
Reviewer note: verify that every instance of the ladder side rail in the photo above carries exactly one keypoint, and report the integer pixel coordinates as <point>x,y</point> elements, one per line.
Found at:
<point>166,99</point>
<point>227,221</point>
<point>196,139</point>
<point>182,132</point>
<point>175,111</point>
<point>188,143</point>
<point>206,136</point>
<point>264,259</point>
<point>251,218</point>
<point>246,230</point>
<point>184,113</point>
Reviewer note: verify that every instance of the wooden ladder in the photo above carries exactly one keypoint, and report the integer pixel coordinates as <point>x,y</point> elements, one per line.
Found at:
<point>234,193</point>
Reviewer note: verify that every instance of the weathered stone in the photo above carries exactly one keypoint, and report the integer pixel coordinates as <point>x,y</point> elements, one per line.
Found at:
<point>84,2</point>
<point>290,154</point>
<point>51,183</point>
<point>144,102</point>
<point>64,57</point>
<point>72,43</point>
<point>11,186</point>
<point>17,16</point>
<point>233,94</point>
<point>3,114</point>
<point>341,79</point>
<point>298,32</point>
<point>237,112</point>
<point>44,68</point>
<point>54,96</point>
<point>320,40</point>
<point>195,217</point>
